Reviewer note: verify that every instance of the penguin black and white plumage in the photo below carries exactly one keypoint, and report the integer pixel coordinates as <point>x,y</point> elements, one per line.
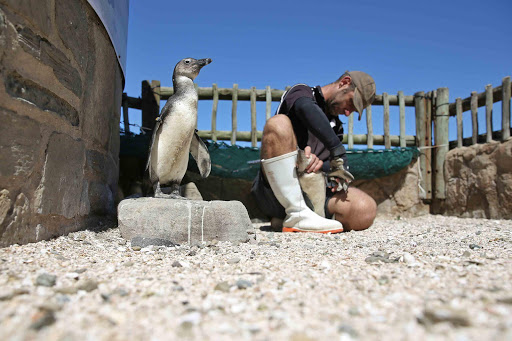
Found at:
<point>174,135</point>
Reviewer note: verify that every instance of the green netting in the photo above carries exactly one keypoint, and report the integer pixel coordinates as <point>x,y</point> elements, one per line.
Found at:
<point>242,162</point>
<point>376,163</point>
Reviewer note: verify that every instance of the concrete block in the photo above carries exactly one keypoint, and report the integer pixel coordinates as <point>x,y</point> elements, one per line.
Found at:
<point>183,221</point>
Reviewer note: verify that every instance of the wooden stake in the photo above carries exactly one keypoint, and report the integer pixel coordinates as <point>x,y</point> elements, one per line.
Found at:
<point>488,112</point>
<point>385,100</point>
<point>458,106</point>
<point>505,109</point>
<point>268,107</point>
<point>441,139</point>
<point>214,112</point>
<point>351,131</point>
<point>401,103</point>
<point>474,116</point>
<point>369,125</point>
<point>254,138</point>
<point>234,105</point>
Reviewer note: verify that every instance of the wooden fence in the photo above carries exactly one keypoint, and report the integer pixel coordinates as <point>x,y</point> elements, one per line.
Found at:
<point>432,109</point>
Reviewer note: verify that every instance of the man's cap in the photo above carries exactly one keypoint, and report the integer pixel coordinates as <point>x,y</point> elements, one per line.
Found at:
<point>364,93</point>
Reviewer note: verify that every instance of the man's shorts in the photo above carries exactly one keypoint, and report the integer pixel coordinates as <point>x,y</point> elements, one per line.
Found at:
<point>268,202</point>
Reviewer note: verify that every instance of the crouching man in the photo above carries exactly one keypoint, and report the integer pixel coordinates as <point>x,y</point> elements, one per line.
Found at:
<point>307,118</point>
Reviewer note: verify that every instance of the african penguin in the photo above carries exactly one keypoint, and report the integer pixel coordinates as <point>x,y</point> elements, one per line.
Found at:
<point>174,135</point>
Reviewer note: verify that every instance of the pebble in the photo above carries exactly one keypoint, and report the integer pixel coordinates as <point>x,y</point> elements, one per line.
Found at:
<point>223,286</point>
<point>145,242</point>
<point>457,318</point>
<point>505,300</point>
<point>176,264</point>
<point>474,246</point>
<point>46,280</point>
<point>14,293</point>
<point>383,280</point>
<point>243,284</point>
<point>42,318</point>
<point>67,290</point>
<point>233,260</point>
<point>87,285</point>
<point>347,329</point>
<point>121,292</point>
<point>408,258</point>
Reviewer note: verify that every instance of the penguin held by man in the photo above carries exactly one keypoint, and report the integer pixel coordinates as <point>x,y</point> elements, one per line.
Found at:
<point>174,135</point>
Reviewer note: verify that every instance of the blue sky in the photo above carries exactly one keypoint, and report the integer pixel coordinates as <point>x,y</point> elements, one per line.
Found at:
<point>405,45</point>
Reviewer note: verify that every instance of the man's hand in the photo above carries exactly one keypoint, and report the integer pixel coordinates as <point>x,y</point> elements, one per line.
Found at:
<point>315,164</point>
<point>339,177</point>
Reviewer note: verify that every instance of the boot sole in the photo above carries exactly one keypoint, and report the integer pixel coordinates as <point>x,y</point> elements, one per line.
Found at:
<point>293,229</point>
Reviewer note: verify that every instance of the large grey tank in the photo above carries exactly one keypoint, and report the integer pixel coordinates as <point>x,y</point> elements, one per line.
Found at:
<point>60,96</point>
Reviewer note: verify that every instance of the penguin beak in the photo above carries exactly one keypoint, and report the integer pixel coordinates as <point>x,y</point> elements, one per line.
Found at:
<point>203,62</point>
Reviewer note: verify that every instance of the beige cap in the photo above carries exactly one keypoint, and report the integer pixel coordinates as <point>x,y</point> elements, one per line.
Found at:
<point>364,94</point>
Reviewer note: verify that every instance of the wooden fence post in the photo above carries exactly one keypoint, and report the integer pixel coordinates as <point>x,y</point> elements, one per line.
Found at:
<point>351,131</point>
<point>150,104</point>
<point>268,99</point>
<point>488,112</point>
<point>441,140</point>
<point>214,112</point>
<point>234,105</point>
<point>385,100</point>
<point>401,103</point>
<point>460,135</point>
<point>254,138</point>
<point>126,119</point>
<point>369,125</point>
<point>505,109</point>
<point>429,100</point>
<point>474,116</point>
<point>421,131</point>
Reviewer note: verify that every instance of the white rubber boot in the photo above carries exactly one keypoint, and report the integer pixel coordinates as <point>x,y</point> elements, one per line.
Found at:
<point>282,176</point>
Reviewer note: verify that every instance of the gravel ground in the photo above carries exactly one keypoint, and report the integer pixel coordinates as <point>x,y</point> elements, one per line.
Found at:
<point>426,278</point>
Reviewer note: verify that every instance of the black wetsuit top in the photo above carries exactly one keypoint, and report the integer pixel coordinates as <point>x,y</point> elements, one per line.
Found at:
<point>305,106</point>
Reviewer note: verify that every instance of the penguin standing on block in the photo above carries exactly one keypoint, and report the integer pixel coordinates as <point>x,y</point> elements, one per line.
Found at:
<point>174,135</point>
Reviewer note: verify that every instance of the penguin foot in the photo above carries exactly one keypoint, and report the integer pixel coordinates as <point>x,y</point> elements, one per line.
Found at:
<point>172,192</point>
<point>170,196</point>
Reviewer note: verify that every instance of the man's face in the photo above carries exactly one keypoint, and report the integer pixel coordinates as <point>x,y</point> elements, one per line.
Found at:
<point>341,103</point>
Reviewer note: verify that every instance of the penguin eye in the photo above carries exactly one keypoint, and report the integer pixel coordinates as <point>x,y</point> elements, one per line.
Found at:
<point>187,61</point>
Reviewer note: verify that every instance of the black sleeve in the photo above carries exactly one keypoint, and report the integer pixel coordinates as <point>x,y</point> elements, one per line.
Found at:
<point>310,114</point>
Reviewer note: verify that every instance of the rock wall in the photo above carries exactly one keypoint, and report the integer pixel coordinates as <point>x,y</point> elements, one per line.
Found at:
<point>396,195</point>
<point>60,99</point>
<point>479,181</point>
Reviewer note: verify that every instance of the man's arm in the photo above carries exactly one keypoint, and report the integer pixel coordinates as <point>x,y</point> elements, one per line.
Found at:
<point>314,118</point>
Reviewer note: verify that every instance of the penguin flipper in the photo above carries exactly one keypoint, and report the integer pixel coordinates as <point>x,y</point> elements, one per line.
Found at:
<point>165,111</point>
<point>200,153</point>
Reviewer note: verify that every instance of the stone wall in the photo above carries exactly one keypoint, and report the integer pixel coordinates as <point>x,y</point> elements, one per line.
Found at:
<point>397,195</point>
<point>479,181</point>
<point>60,99</point>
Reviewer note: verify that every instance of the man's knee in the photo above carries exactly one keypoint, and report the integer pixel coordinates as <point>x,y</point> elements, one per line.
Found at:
<point>365,209</point>
<point>356,211</point>
<point>278,137</point>
<point>279,125</point>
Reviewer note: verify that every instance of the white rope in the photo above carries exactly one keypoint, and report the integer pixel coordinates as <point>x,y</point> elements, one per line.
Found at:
<point>428,147</point>
<point>189,221</point>
<point>202,222</point>
<point>423,193</point>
